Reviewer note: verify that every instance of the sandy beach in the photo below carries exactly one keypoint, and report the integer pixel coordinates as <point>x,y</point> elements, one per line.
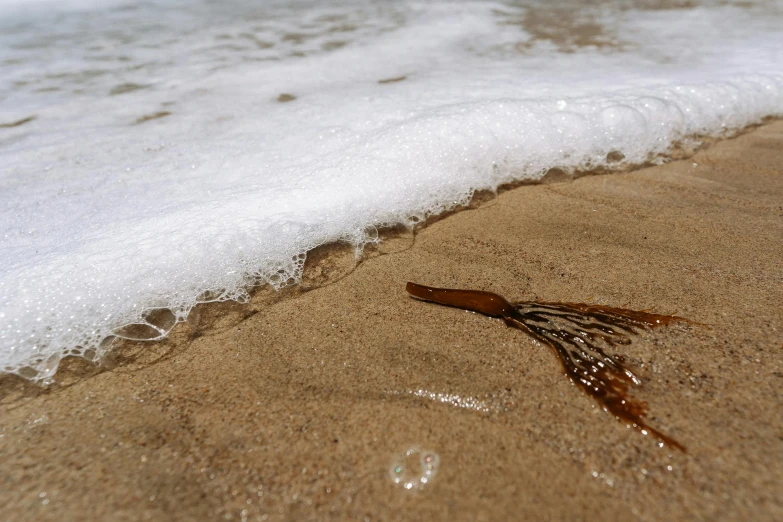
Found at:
<point>297,405</point>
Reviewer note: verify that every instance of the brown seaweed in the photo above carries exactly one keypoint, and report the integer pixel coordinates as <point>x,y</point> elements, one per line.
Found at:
<point>392,80</point>
<point>576,332</point>
<point>17,123</point>
<point>149,117</point>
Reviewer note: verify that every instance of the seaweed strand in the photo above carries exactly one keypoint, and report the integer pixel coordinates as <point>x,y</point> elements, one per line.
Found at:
<point>575,332</point>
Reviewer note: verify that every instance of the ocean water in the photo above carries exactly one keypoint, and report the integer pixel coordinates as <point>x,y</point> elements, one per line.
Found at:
<point>158,154</point>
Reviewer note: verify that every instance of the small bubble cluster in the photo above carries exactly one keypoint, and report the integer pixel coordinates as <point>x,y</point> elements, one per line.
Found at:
<point>452,399</point>
<point>415,469</point>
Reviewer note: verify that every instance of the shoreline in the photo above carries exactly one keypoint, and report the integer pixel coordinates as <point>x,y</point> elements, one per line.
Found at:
<point>320,264</point>
<point>239,409</point>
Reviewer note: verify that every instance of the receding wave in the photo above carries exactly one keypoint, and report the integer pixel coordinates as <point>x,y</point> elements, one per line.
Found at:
<point>154,155</point>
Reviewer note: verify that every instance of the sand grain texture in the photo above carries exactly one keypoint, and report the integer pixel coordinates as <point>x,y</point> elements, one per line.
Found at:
<point>297,411</point>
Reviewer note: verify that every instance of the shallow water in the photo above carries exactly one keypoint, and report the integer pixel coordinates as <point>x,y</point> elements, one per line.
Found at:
<point>158,154</point>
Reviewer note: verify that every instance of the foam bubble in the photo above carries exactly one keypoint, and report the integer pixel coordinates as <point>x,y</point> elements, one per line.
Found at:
<point>415,468</point>
<point>149,159</point>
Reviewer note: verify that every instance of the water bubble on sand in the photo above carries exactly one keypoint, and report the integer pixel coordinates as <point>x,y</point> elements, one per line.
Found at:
<point>415,468</point>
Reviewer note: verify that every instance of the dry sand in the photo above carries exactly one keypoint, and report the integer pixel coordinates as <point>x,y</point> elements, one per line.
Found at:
<point>296,406</point>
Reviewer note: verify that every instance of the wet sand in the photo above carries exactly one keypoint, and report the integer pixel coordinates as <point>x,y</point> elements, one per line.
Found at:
<point>296,406</point>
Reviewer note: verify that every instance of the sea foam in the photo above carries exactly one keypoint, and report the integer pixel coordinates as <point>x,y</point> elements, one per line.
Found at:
<point>180,152</point>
